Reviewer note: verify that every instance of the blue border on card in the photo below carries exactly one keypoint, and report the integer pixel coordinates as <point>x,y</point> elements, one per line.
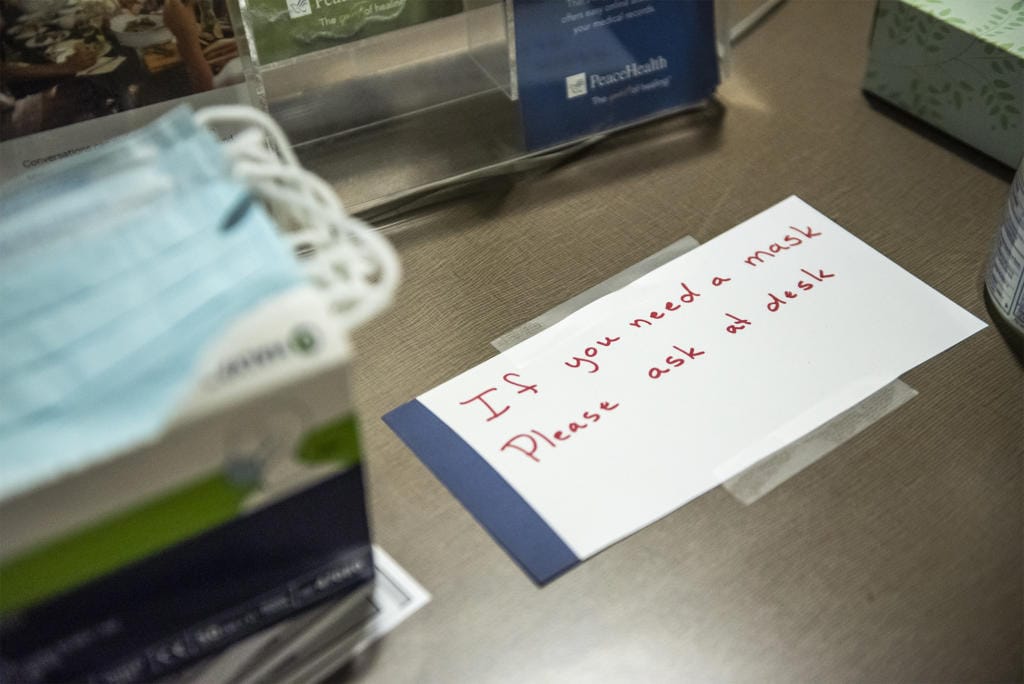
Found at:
<point>491,500</point>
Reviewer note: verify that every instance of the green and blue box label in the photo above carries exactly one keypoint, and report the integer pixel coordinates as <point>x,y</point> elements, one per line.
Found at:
<point>248,510</point>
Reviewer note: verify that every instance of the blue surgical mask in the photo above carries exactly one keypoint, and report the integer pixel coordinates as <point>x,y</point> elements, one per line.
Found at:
<point>102,323</point>
<point>59,239</point>
<point>75,208</point>
<point>135,150</point>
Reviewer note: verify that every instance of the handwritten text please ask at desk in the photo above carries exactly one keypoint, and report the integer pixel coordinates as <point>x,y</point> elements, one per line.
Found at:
<point>652,395</point>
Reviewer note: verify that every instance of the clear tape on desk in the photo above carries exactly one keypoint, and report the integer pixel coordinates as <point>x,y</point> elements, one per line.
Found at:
<point>775,469</point>
<point>617,281</point>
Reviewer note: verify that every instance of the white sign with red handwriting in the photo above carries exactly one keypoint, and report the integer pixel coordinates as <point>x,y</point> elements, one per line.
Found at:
<point>656,393</point>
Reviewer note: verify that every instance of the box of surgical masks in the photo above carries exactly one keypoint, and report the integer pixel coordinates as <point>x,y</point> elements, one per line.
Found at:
<point>957,65</point>
<point>247,509</point>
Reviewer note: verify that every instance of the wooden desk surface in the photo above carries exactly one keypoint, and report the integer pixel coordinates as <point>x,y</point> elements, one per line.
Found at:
<point>897,557</point>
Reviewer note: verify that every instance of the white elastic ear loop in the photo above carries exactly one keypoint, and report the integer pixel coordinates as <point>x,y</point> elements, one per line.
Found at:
<point>251,143</point>
<point>360,249</point>
<point>298,210</point>
<point>271,131</point>
<point>320,204</point>
<point>246,142</point>
<point>235,114</point>
<point>316,206</point>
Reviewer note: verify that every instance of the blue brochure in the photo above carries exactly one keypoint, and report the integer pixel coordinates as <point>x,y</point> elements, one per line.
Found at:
<point>586,66</point>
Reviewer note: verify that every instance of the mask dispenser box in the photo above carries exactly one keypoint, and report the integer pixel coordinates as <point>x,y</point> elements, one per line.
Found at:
<point>392,100</point>
<point>248,509</point>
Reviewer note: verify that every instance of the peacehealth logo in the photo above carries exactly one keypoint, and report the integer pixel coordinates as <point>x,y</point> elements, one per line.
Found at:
<point>299,8</point>
<point>578,84</point>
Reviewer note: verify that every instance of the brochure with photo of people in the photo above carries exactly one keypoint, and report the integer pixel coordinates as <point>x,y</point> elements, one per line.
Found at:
<point>74,73</point>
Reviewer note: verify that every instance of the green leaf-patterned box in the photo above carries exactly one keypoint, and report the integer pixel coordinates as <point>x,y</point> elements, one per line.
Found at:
<point>957,64</point>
